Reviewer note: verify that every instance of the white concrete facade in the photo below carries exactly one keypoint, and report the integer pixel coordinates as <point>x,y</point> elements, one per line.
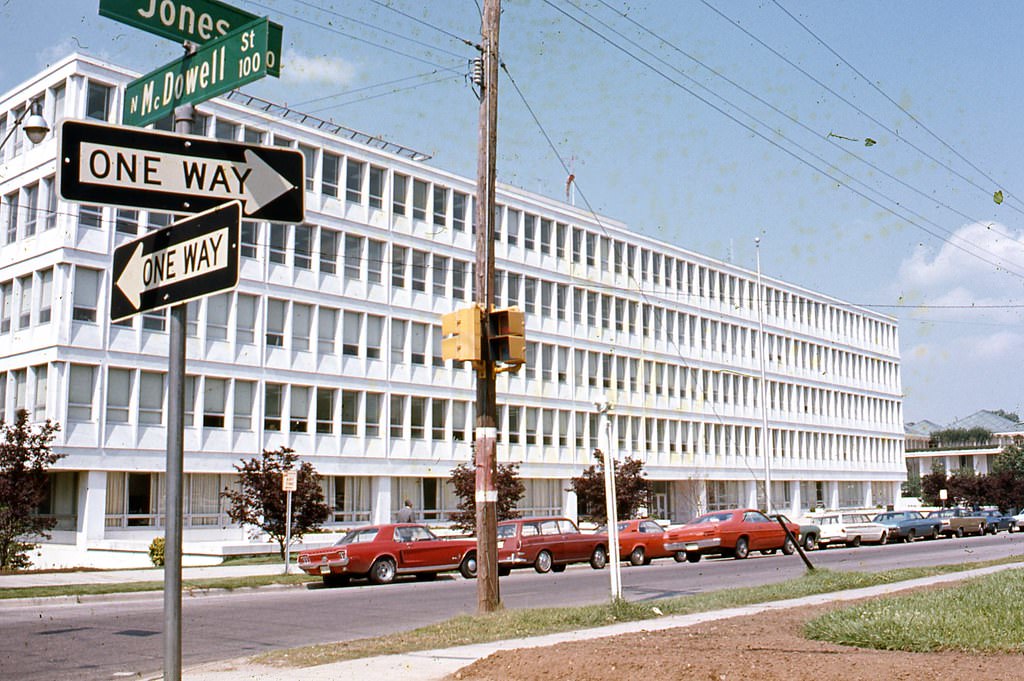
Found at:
<point>331,345</point>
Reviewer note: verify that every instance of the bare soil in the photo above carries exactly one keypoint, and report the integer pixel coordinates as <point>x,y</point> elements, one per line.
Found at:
<point>764,647</point>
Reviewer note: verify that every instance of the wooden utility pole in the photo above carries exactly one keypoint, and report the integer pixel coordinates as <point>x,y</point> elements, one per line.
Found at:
<point>488,595</point>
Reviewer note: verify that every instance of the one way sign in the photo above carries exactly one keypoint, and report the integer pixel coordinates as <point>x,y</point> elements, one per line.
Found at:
<point>192,258</point>
<point>178,173</point>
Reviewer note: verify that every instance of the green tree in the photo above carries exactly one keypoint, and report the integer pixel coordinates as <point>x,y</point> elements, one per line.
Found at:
<point>1011,415</point>
<point>632,489</point>
<point>260,502</point>
<point>25,456</point>
<point>506,480</point>
<point>932,483</point>
<point>1011,460</point>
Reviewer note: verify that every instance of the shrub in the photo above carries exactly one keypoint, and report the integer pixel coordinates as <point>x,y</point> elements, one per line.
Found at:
<point>156,551</point>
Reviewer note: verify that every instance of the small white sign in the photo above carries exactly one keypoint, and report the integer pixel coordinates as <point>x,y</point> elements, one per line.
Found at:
<point>943,494</point>
<point>289,481</point>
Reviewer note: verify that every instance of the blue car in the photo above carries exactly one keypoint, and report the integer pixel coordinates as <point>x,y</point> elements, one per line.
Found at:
<point>997,521</point>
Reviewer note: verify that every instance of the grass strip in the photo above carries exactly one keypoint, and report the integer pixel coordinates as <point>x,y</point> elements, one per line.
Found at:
<point>978,615</point>
<point>505,624</point>
<point>229,583</point>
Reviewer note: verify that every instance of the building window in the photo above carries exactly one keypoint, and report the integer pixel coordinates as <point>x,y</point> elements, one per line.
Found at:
<point>273,397</point>
<point>244,392</point>
<point>81,387</point>
<point>225,130</point>
<point>156,321</point>
<point>372,411</point>
<point>329,239</point>
<point>374,260</point>
<point>39,404</point>
<point>25,309</point>
<point>399,194</point>
<point>437,418</point>
<point>325,410</point>
<point>213,402</point>
<point>397,416</point>
<point>459,203</point>
<point>217,309</point>
<point>419,270</point>
<point>440,275</point>
<point>376,187</point>
<point>126,221</point>
<point>440,206</point>
<point>245,318</point>
<point>374,334</point>
<point>119,394</point>
<point>302,322</point>
<point>97,103</point>
<point>309,155</point>
<point>151,398</point>
<point>329,174</point>
<point>458,279</point>
<point>417,417</point>
<point>303,257</point>
<point>6,305</point>
<point>512,227</point>
<point>349,412</point>
<point>419,343</point>
<point>276,310</point>
<point>50,214</point>
<point>278,243</point>
<point>398,332</point>
<point>398,255</point>
<point>86,295</point>
<point>353,257</point>
<point>249,239</point>
<point>31,209</point>
<point>354,181</point>
<point>420,196</point>
<point>327,330</point>
<point>351,332</point>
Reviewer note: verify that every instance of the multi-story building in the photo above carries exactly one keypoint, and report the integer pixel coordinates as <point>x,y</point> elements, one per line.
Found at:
<point>970,443</point>
<point>331,344</point>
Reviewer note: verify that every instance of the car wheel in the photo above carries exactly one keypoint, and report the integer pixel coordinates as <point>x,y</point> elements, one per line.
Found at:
<point>599,558</point>
<point>679,556</point>
<point>959,532</point>
<point>335,580</point>
<point>810,541</point>
<point>789,546</point>
<point>911,535</point>
<point>504,571</point>
<point>854,543</point>
<point>637,557</point>
<point>543,562</point>
<point>884,539</point>
<point>468,567</point>
<point>934,534</point>
<point>558,567</point>
<point>382,571</point>
<point>742,549</point>
<point>693,557</point>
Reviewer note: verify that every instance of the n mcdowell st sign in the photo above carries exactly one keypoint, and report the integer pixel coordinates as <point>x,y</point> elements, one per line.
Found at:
<point>178,173</point>
<point>192,258</point>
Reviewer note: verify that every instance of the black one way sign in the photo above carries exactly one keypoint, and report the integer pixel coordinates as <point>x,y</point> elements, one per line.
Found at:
<point>178,173</point>
<point>192,258</point>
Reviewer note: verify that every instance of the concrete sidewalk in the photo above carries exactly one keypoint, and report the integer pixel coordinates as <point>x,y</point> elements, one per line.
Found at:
<point>433,665</point>
<point>145,575</point>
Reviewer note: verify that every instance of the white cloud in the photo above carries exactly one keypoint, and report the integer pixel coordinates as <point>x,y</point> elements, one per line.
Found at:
<point>300,68</point>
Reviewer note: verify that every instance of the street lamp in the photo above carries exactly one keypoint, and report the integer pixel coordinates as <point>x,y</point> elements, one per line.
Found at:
<point>765,446</point>
<point>32,122</point>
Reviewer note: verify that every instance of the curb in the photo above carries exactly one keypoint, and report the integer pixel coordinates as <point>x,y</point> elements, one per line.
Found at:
<point>186,593</point>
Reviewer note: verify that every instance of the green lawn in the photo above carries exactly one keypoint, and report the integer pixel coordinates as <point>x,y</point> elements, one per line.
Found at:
<point>980,615</point>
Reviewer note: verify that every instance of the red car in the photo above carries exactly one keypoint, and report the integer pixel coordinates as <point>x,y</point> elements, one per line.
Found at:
<point>731,533</point>
<point>382,552</point>
<point>642,540</point>
<point>547,545</point>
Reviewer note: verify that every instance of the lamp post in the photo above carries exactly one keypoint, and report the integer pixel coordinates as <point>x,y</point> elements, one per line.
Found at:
<point>32,122</point>
<point>765,448</point>
<point>611,499</point>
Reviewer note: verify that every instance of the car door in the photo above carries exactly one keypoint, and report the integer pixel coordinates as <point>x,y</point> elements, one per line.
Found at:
<point>577,544</point>
<point>759,528</point>
<point>426,550</point>
<point>653,538</point>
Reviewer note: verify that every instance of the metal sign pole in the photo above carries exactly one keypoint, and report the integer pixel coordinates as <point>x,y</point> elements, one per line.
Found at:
<point>175,464</point>
<point>288,531</point>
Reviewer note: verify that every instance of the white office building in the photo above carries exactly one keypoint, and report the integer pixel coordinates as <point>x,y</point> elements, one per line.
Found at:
<point>330,344</point>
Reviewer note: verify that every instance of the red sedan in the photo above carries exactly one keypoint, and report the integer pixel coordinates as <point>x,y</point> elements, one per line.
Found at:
<point>642,540</point>
<point>382,552</point>
<point>734,533</point>
<point>547,545</point>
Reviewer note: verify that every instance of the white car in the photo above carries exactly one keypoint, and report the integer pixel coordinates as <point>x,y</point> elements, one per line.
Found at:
<point>1018,520</point>
<point>850,529</point>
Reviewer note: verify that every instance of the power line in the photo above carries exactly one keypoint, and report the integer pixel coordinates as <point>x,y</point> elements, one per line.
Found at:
<point>367,87</point>
<point>786,150</point>
<point>423,22</point>
<point>394,91</point>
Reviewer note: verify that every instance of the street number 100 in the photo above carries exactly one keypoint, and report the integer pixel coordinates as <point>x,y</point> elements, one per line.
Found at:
<point>249,64</point>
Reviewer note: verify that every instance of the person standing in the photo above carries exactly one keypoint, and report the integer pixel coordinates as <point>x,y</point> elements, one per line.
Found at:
<point>406,514</point>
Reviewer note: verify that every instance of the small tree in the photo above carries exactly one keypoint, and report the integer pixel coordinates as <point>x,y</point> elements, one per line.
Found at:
<point>932,483</point>
<point>632,489</point>
<point>261,503</point>
<point>510,490</point>
<point>25,456</point>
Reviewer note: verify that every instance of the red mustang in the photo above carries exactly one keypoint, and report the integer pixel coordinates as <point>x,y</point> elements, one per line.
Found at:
<point>731,533</point>
<point>382,552</point>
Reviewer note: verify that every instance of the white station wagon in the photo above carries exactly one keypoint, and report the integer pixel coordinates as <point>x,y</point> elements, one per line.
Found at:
<point>850,529</point>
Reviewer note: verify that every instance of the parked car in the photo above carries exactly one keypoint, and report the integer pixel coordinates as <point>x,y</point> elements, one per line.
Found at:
<point>960,521</point>
<point>1019,520</point>
<point>809,532</point>
<point>733,533</point>
<point>382,552</point>
<point>908,525</point>
<point>548,545</point>
<point>642,540</point>
<point>997,520</point>
<point>850,529</point>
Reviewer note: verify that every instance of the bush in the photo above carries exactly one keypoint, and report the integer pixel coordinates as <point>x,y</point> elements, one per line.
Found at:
<point>156,551</point>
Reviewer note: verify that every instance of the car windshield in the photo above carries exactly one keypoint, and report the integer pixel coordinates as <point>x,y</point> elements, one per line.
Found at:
<point>712,518</point>
<point>506,531</point>
<point>360,536</point>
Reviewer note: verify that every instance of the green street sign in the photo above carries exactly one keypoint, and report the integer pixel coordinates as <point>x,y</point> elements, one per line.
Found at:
<point>237,58</point>
<point>199,21</point>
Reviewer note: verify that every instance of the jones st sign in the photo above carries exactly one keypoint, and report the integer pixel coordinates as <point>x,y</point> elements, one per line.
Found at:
<point>198,21</point>
<point>192,258</point>
<point>178,173</point>
<point>233,60</point>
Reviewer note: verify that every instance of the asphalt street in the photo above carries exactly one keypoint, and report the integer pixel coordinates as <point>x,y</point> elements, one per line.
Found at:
<point>121,637</point>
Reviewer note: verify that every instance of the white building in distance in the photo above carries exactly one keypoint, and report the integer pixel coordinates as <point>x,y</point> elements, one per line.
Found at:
<point>331,345</point>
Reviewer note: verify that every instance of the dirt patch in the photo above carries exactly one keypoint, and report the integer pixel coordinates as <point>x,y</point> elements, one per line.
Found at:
<point>764,647</point>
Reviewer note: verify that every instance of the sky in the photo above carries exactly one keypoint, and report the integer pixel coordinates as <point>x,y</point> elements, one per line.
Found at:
<point>863,142</point>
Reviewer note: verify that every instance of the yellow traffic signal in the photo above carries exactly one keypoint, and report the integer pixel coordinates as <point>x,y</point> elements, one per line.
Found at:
<point>460,331</point>
<point>506,339</point>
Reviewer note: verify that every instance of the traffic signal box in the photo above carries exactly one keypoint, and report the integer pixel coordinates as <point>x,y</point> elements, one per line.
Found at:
<point>507,338</point>
<point>462,337</point>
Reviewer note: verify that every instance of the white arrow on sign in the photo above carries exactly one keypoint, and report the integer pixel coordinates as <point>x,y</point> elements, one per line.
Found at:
<point>253,182</point>
<point>177,263</point>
